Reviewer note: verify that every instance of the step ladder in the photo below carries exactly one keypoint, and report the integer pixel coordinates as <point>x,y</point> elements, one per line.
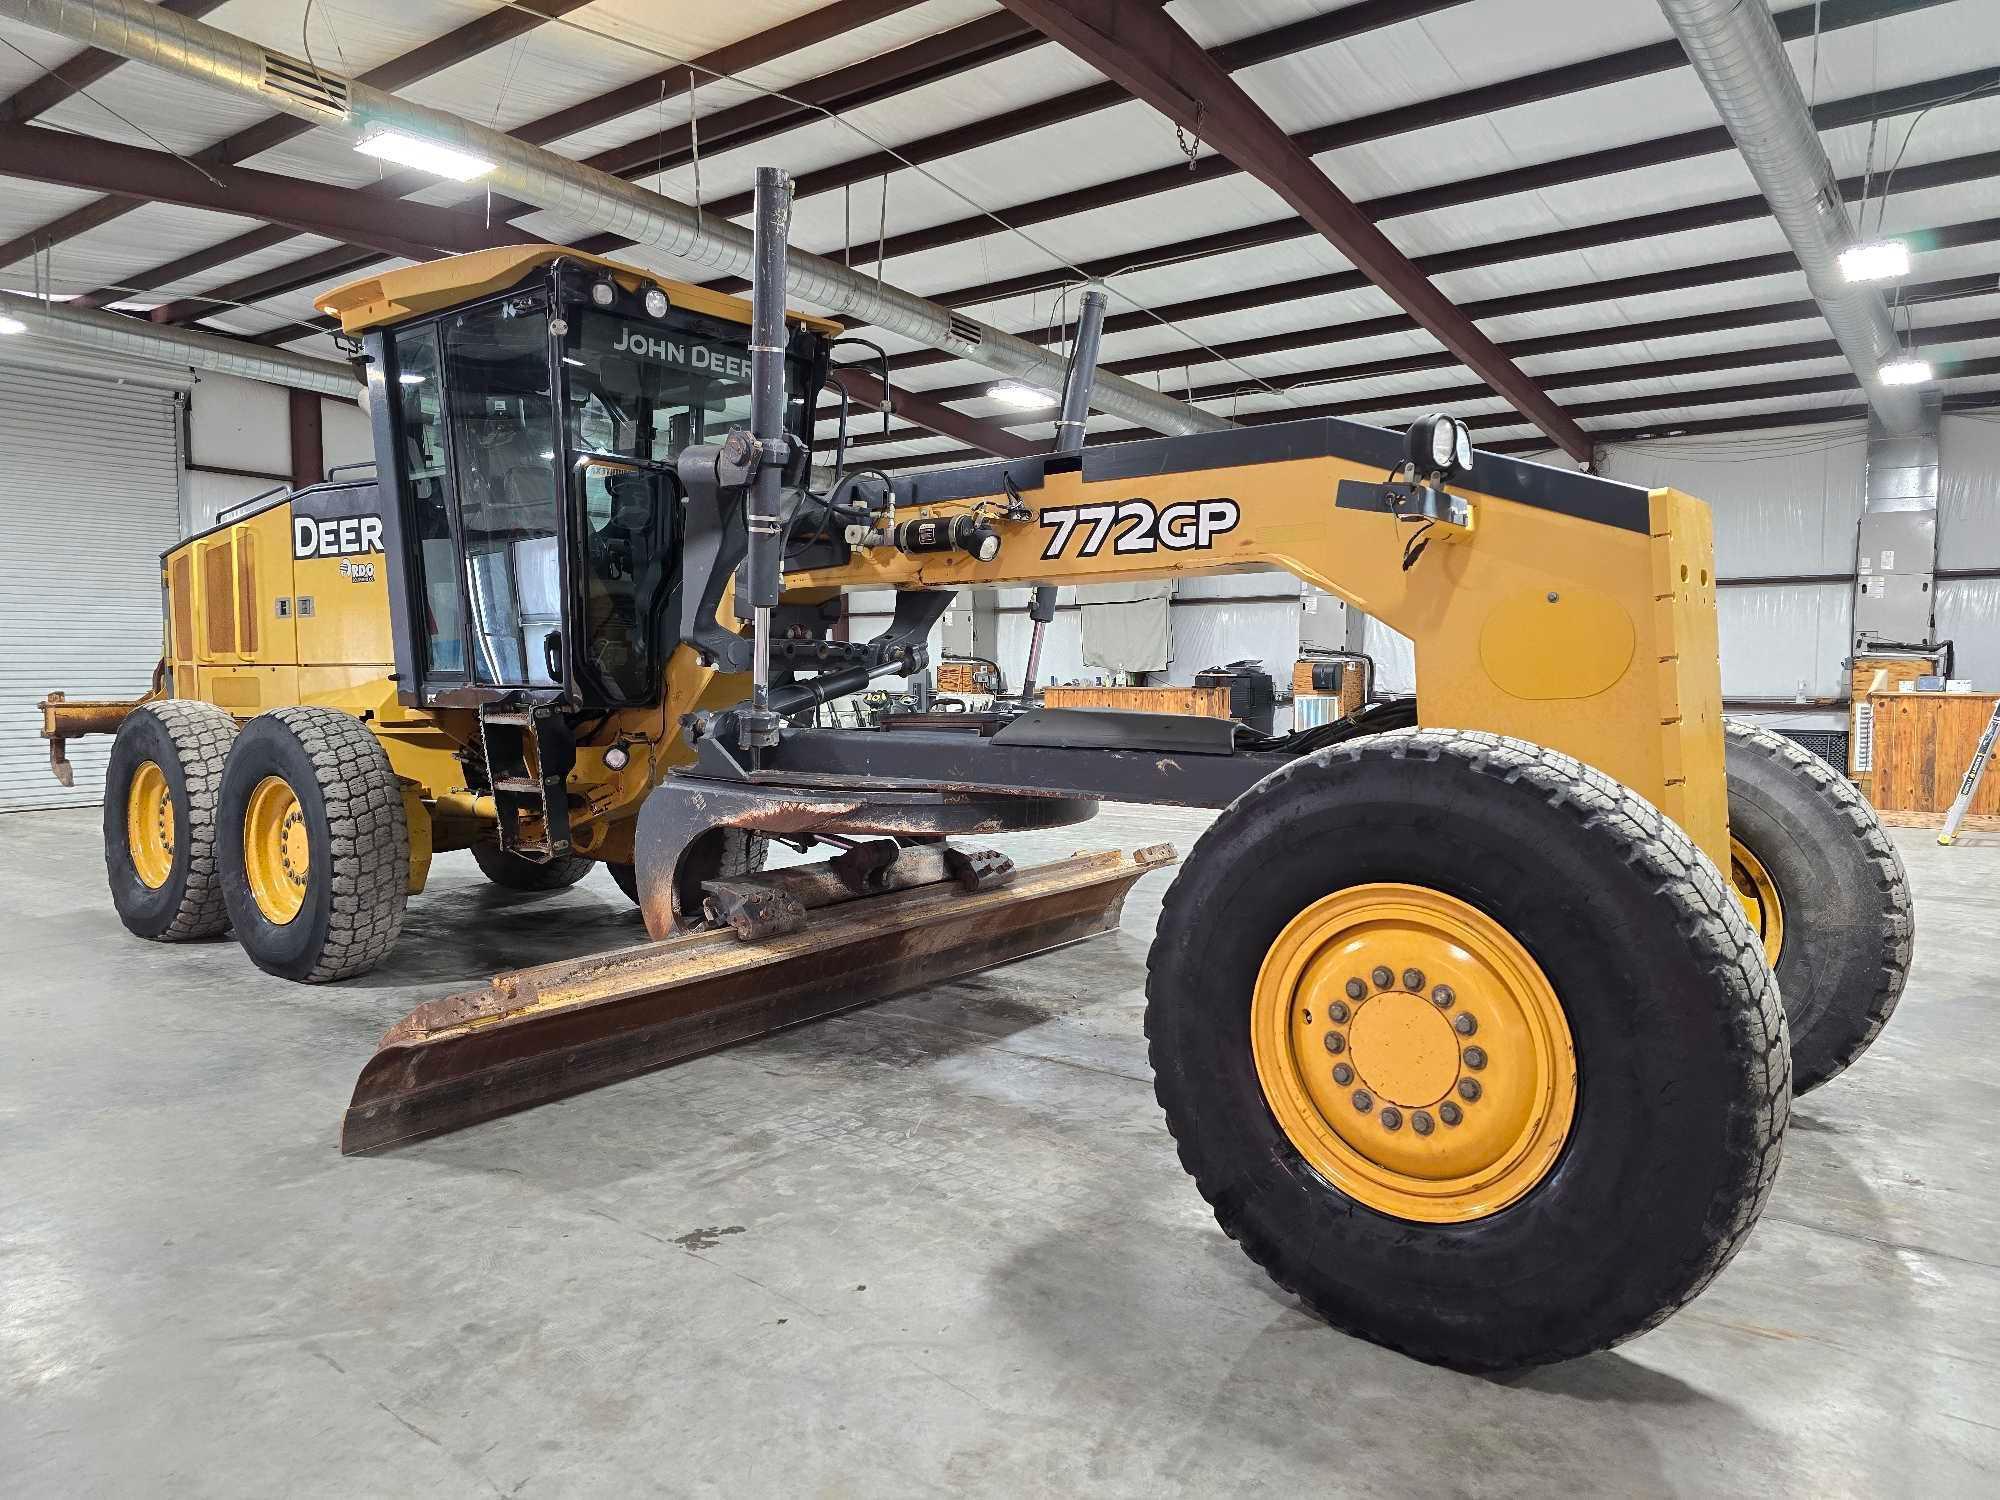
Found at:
<point>529,755</point>
<point>1970,784</point>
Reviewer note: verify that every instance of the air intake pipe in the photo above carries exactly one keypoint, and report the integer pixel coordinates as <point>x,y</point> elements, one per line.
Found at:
<point>575,193</point>
<point>1735,50</point>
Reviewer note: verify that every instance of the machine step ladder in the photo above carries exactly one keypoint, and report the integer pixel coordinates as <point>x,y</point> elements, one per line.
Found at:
<point>528,761</point>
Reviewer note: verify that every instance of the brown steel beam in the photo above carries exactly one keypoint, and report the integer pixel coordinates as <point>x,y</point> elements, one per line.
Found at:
<point>1148,53</point>
<point>416,231</point>
<point>308,437</point>
<point>78,72</point>
<point>873,78</point>
<point>658,89</point>
<point>986,437</point>
<point>1450,105</point>
<point>476,36</point>
<point>1437,397</point>
<point>1579,294</point>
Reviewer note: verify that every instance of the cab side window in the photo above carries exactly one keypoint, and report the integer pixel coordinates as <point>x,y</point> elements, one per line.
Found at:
<point>420,403</point>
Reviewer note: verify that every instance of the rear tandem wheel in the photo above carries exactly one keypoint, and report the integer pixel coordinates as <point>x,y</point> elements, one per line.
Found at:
<point>1418,1085</point>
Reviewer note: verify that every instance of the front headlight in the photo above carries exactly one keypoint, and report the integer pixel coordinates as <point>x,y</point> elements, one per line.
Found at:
<point>1438,444</point>
<point>603,293</point>
<point>656,302</point>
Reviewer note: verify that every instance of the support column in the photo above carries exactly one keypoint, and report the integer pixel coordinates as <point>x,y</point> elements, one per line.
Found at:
<point>308,438</point>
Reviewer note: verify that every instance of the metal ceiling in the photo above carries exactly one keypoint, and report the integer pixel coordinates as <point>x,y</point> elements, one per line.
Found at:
<point>1554,166</point>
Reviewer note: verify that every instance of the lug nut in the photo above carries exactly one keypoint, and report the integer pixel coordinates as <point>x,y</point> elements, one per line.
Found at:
<point>1475,1057</point>
<point>1337,1012</point>
<point>1363,1100</point>
<point>1335,1042</point>
<point>1413,979</point>
<point>1420,1122</point>
<point>1450,1113</point>
<point>1342,1074</point>
<point>1356,989</point>
<point>1464,1024</point>
<point>1382,977</point>
<point>1442,997</point>
<point>1392,1118</point>
<point>1468,1090</point>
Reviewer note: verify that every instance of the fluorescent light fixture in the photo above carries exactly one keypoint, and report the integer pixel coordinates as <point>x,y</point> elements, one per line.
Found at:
<point>1021,396</point>
<point>1905,372</point>
<point>1878,260</point>
<point>408,379</point>
<point>425,156</point>
<point>10,326</point>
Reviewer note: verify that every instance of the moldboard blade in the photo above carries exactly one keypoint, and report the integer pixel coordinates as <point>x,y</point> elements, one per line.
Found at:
<point>535,1035</point>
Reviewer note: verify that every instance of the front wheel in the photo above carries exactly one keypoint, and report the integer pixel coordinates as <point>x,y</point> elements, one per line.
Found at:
<point>1824,885</point>
<point>159,819</point>
<point>1468,1046</point>
<point>505,868</point>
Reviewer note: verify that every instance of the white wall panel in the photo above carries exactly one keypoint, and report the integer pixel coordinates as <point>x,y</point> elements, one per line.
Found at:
<point>1395,657</point>
<point>345,437</point>
<point>1968,495</point>
<point>240,424</point>
<point>1968,615</point>
<point>1784,503</point>
<point>1784,641</point>
<point>1215,634</point>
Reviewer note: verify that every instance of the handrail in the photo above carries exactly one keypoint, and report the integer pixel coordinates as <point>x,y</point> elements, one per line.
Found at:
<point>365,463</point>
<point>224,514</point>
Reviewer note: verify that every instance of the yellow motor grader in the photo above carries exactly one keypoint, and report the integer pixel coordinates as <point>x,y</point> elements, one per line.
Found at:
<point>1463,1010</point>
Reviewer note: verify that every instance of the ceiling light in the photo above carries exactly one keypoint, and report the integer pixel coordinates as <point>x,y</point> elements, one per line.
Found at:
<point>425,156</point>
<point>1021,396</point>
<point>1878,260</point>
<point>1905,372</point>
<point>12,325</point>
<point>408,379</point>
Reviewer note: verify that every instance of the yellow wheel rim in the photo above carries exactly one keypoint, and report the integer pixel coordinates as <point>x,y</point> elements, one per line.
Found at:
<point>1758,893</point>
<point>277,851</point>
<point>1414,1053</point>
<point>149,825</point>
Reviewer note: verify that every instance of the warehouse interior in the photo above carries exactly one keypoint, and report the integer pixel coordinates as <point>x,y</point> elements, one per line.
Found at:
<point>945,1241</point>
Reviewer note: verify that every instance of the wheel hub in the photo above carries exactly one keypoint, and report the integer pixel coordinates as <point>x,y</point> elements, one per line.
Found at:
<point>1413,1052</point>
<point>149,825</point>
<point>1758,894</point>
<point>277,849</point>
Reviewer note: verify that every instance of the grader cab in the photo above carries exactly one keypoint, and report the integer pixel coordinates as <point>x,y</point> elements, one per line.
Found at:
<point>1465,1012</point>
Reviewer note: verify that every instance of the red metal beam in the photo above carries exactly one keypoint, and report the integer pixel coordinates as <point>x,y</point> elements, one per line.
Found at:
<point>412,230</point>
<point>1146,52</point>
<point>476,36</point>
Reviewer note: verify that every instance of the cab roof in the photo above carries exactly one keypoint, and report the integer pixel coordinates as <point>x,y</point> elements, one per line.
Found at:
<point>396,296</point>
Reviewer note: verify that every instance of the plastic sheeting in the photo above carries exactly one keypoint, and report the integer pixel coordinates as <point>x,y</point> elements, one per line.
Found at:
<point>1125,626</point>
<point>1968,497</point>
<point>1968,615</point>
<point>1395,657</point>
<point>1784,503</point>
<point>1785,641</point>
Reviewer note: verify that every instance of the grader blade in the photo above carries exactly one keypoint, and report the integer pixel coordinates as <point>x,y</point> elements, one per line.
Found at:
<point>541,1034</point>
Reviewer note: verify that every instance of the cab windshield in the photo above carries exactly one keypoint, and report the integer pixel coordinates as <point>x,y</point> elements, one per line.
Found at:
<point>645,388</point>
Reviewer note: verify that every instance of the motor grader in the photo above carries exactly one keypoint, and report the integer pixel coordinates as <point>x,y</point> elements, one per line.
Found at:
<point>1463,1010</point>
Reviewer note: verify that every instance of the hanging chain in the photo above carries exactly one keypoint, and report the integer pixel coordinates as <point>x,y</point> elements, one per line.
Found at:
<point>1190,148</point>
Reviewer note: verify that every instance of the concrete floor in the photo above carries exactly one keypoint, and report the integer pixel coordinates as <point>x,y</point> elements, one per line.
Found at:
<point>939,1246</point>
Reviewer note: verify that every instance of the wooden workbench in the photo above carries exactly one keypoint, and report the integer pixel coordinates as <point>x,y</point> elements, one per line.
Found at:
<point>1923,743</point>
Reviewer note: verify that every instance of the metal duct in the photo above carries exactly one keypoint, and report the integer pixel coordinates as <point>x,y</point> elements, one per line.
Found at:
<point>1735,49</point>
<point>152,34</point>
<point>132,338</point>
<point>1895,593</point>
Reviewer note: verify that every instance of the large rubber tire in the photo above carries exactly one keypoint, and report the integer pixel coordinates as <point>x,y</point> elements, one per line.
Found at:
<point>358,872</point>
<point>518,874</point>
<point>1681,1058</point>
<point>188,741</point>
<point>724,854</point>
<point>1849,923</point>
